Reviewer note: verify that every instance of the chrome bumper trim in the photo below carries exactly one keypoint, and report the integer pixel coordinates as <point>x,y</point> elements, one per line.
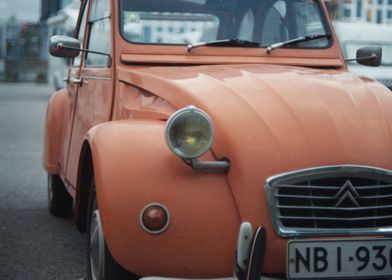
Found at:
<point>225,278</point>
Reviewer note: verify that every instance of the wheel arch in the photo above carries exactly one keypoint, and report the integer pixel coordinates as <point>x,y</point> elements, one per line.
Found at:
<point>133,167</point>
<point>85,175</point>
<point>54,131</point>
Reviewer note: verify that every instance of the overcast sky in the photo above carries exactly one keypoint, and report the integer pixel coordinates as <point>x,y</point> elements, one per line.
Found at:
<point>24,10</point>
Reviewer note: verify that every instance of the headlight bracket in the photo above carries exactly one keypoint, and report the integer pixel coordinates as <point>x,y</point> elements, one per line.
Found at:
<point>201,165</point>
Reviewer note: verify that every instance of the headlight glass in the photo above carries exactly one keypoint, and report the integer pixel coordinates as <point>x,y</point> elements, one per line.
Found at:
<point>189,133</point>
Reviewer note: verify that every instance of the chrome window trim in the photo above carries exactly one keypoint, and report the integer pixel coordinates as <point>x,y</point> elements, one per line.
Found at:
<point>96,78</point>
<point>322,171</point>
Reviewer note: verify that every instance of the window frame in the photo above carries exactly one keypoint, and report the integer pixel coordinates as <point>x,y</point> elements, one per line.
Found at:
<point>81,27</point>
<point>89,26</point>
<point>220,15</point>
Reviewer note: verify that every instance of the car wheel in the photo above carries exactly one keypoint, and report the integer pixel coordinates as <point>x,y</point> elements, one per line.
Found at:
<point>60,202</point>
<point>100,263</point>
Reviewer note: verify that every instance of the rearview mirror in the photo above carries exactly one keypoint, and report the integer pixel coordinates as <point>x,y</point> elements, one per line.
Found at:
<point>370,56</point>
<point>64,46</point>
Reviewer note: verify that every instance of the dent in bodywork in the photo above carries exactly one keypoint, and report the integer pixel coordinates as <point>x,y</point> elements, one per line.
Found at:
<point>135,103</point>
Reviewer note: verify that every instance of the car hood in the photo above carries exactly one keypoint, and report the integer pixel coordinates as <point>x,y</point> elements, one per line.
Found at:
<point>282,112</point>
<point>271,119</point>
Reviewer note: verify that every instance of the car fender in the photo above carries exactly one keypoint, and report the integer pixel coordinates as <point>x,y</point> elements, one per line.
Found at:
<point>133,167</point>
<point>54,131</point>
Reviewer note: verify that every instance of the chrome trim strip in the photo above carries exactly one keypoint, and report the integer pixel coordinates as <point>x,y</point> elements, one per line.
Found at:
<point>330,208</point>
<point>318,173</point>
<point>326,197</point>
<point>328,169</point>
<point>96,78</point>
<point>334,219</point>
<point>332,187</point>
<point>224,278</point>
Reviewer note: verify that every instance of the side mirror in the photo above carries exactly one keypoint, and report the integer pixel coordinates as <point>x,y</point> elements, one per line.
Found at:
<point>64,46</point>
<point>370,56</point>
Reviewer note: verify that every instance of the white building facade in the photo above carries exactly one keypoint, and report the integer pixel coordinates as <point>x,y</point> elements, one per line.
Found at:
<point>377,11</point>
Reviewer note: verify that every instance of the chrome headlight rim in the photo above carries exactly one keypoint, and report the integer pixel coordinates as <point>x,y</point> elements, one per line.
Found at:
<point>170,123</point>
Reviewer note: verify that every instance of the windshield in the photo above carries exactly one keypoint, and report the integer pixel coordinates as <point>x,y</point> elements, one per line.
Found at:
<point>192,21</point>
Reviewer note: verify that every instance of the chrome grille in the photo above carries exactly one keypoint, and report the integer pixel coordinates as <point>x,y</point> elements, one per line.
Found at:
<point>331,200</point>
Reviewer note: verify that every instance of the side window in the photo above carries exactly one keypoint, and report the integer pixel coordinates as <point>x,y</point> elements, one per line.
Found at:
<point>309,19</point>
<point>80,32</point>
<point>99,34</point>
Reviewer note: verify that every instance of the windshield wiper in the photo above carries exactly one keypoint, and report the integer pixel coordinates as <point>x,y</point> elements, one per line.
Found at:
<point>224,43</point>
<point>296,40</point>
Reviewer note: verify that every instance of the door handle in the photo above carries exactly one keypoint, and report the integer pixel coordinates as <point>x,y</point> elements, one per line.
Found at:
<point>76,80</point>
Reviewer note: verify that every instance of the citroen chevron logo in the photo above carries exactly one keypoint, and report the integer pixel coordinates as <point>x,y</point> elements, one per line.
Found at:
<point>347,193</point>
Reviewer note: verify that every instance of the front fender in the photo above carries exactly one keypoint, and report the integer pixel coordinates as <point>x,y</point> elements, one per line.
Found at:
<point>54,131</point>
<point>133,167</point>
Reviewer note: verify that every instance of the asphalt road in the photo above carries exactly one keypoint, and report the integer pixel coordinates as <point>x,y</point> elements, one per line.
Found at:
<point>33,244</point>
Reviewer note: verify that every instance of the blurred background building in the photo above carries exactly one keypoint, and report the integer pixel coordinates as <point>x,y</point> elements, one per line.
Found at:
<point>376,11</point>
<point>24,41</point>
<point>59,18</point>
<point>19,51</point>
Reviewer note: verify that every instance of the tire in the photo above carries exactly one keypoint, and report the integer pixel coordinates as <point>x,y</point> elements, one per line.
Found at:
<point>100,263</point>
<point>60,201</point>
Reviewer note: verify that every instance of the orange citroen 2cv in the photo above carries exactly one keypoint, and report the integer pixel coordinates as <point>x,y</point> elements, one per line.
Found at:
<point>220,139</point>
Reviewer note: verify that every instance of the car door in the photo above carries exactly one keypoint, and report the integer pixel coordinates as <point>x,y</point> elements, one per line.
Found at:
<point>94,100</point>
<point>73,86</point>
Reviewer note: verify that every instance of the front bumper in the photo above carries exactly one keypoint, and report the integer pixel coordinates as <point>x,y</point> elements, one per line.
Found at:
<point>226,278</point>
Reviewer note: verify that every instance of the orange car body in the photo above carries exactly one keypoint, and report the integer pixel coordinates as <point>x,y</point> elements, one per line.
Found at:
<point>289,110</point>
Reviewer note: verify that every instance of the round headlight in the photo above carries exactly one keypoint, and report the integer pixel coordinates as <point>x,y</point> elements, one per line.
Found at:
<point>189,133</point>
